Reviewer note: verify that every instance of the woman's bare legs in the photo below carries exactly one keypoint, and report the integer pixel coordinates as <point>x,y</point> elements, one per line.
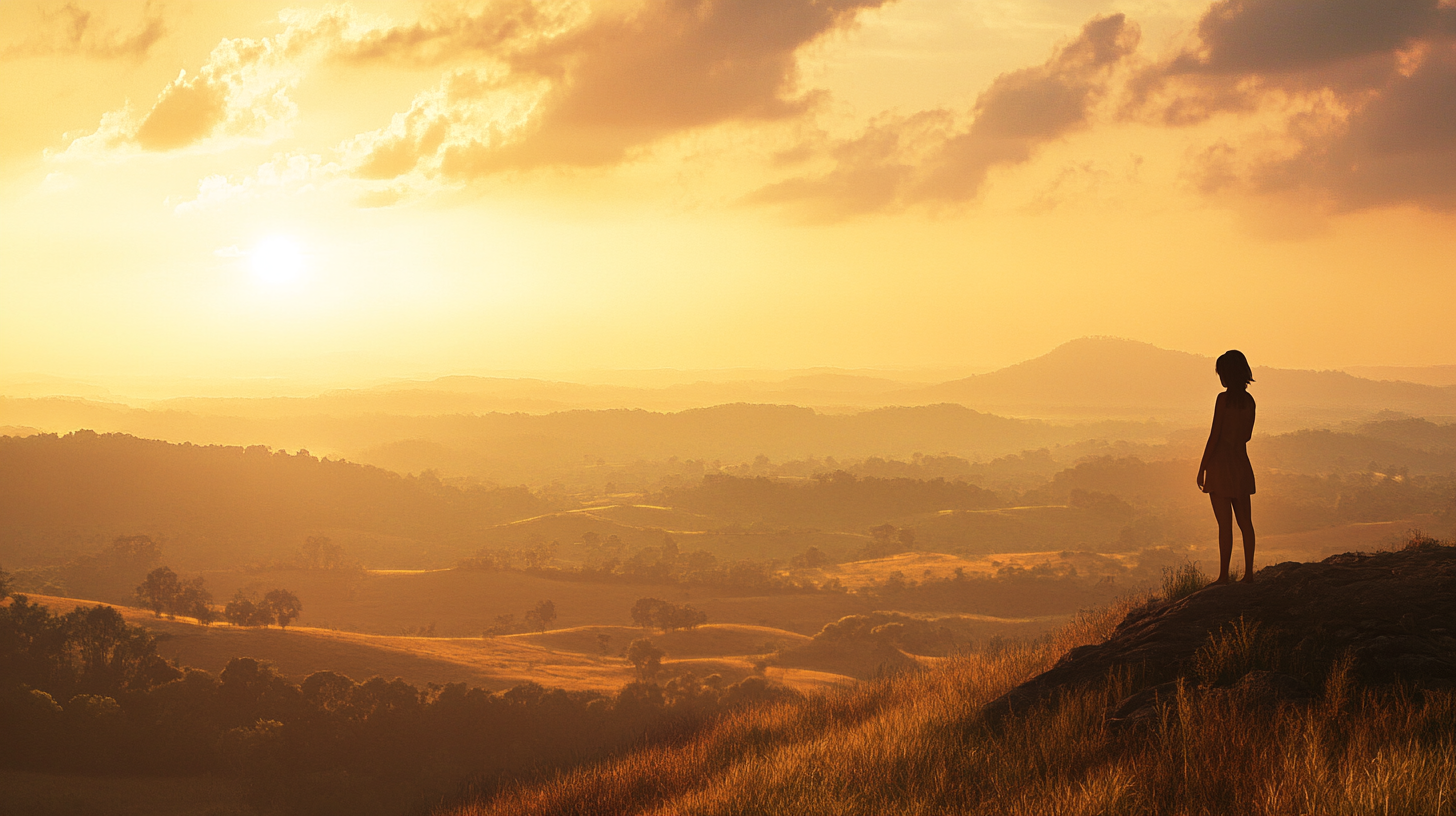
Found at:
<point>1223,510</point>
<point>1226,509</point>
<point>1246,526</point>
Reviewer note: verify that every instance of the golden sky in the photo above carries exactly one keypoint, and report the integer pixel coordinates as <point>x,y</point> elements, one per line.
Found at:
<point>387,188</point>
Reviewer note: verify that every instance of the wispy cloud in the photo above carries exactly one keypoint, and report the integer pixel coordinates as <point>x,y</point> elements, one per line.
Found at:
<point>75,30</point>
<point>931,157</point>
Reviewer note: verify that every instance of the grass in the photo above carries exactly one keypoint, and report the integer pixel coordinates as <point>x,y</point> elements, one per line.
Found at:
<point>562,658</point>
<point>464,603</point>
<point>1182,581</point>
<point>916,744</point>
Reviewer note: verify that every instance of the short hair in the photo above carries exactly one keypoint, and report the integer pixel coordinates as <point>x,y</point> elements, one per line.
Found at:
<point>1234,366</point>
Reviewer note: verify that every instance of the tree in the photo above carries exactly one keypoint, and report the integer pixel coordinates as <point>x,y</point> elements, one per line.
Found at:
<point>666,615</point>
<point>644,612</point>
<point>195,601</point>
<point>320,553</point>
<point>4,584</point>
<point>811,558</point>
<point>281,607</point>
<point>241,611</point>
<point>646,658</point>
<point>541,615</point>
<point>159,591</point>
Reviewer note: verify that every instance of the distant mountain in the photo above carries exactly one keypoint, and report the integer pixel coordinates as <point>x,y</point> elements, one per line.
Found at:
<point>1426,375</point>
<point>1112,377</point>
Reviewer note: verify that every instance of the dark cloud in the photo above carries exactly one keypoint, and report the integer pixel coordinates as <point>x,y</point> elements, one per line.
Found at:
<point>72,29</point>
<point>618,83</point>
<point>1376,80</point>
<point>1398,148</point>
<point>925,158</point>
<point>1279,36</point>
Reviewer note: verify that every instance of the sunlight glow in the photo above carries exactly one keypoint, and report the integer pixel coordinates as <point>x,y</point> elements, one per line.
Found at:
<point>277,261</point>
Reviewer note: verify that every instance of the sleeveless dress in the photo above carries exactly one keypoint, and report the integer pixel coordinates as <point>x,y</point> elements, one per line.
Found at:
<point>1229,471</point>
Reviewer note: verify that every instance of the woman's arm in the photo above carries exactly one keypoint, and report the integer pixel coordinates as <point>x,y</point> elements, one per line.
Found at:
<point>1213,433</point>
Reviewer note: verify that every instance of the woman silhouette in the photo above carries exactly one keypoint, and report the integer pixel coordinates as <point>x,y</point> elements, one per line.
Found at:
<point>1225,473</point>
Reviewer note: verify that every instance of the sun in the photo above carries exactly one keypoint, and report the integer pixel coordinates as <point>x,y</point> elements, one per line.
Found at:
<point>277,261</point>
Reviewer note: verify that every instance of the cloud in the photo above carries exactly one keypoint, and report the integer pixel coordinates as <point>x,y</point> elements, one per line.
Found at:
<point>240,92</point>
<point>1365,91</point>
<point>588,91</point>
<point>290,173</point>
<point>74,30</point>
<point>1397,148</point>
<point>928,157</point>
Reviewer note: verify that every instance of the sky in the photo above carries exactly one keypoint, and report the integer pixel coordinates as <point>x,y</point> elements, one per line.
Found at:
<point>371,189</point>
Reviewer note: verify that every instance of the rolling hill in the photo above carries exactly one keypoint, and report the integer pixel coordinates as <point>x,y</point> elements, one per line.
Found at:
<point>559,658</point>
<point>1112,377</point>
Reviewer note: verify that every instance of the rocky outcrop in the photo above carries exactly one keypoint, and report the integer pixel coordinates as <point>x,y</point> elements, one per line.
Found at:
<point>1393,614</point>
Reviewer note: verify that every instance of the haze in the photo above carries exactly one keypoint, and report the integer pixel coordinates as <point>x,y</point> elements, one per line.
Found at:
<point>336,194</point>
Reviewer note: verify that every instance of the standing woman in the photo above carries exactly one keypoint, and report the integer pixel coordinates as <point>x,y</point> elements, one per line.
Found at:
<point>1225,473</point>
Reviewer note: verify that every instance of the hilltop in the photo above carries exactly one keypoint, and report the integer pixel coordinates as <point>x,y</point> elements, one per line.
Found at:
<point>1390,615</point>
<point>1322,687</point>
<point>1113,377</point>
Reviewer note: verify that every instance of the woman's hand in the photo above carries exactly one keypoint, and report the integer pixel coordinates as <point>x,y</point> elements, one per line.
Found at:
<point>1202,472</point>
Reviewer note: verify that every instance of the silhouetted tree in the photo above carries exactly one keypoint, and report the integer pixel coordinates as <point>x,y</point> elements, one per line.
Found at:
<point>811,558</point>
<point>320,553</point>
<point>666,615</point>
<point>242,611</point>
<point>196,602</point>
<point>541,615</point>
<point>646,658</point>
<point>4,584</point>
<point>282,607</point>
<point>159,590</point>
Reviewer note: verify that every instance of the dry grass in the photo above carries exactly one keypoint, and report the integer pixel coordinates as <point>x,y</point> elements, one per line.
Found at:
<point>916,744</point>
<point>569,658</point>
<point>465,603</point>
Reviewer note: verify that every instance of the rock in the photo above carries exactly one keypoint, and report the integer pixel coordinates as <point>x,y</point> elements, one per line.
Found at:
<point>1391,611</point>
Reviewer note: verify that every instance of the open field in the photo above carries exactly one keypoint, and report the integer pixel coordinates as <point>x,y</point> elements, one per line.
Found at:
<point>565,658</point>
<point>464,603</point>
<point>638,525</point>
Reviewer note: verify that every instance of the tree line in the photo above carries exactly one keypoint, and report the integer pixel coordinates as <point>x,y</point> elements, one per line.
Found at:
<point>166,594</point>
<point>85,692</point>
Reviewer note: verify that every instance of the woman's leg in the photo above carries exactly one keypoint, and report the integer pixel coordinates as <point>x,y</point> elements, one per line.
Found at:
<point>1246,526</point>
<point>1223,511</point>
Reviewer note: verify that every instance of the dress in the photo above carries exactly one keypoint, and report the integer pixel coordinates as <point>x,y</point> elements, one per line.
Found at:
<point>1227,456</point>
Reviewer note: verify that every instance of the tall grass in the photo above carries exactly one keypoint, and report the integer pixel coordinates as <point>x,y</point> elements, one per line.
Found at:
<point>1182,581</point>
<point>916,744</point>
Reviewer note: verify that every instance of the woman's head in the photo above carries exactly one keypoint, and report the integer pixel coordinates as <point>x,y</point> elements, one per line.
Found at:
<point>1233,369</point>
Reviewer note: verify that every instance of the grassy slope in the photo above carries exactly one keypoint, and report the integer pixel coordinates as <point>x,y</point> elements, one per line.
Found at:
<point>916,744</point>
